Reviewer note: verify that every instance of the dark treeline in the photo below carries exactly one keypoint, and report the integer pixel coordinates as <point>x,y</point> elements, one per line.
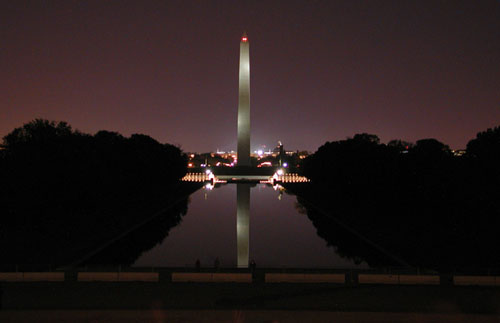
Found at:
<point>420,203</point>
<point>64,192</point>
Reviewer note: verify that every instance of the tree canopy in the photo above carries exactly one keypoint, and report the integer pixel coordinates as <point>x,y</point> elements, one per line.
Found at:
<point>62,190</point>
<point>418,201</point>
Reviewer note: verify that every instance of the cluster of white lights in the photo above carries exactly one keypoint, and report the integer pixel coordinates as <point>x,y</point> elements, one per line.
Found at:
<point>281,177</point>
<point>195,177</point>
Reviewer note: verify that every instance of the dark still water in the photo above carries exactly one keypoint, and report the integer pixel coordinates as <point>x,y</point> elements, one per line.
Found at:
<point>270,229</point>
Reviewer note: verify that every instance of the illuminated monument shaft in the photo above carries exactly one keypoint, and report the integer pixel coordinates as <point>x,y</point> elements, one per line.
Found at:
<point>244,104</point>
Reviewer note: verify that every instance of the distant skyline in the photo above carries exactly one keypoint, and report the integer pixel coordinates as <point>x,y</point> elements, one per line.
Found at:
<point>320,70</point>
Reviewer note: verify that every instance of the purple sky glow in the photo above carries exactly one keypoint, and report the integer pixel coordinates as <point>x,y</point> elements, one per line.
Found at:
<point>320,70</point>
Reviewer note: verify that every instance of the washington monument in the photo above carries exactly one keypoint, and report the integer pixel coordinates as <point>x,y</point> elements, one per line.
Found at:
<point>244,104</point>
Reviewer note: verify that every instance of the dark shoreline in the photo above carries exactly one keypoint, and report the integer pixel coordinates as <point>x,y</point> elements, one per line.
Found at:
<point>133,213</point>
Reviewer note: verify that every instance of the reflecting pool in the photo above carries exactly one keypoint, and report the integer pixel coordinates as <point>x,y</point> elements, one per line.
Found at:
<point>238,223</point>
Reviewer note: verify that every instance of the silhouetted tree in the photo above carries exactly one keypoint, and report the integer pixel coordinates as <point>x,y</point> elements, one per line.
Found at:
<point>431,149</point>
<point>486,145</point>
<point>365,138</point>
<point>360,162</point>
<point>420,204</point>
<point>484,151</point>
<point>65,190</point>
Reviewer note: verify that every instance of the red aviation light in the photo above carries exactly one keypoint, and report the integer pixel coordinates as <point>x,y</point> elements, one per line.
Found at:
<point>244,39</point>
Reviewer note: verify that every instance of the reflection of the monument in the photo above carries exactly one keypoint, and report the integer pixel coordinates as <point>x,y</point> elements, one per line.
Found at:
<point>243,220</point>
<point>218,225</point>
<point>243,223</point>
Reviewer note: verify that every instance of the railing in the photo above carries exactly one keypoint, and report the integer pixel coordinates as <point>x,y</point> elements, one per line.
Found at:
<point>282,268</point>
<point>212,275</point>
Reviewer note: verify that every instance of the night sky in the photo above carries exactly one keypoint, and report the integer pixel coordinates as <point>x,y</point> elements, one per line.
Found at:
<point>320,70</point>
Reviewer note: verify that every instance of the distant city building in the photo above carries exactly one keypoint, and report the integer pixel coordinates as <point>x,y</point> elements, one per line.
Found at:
<point>280,150</point>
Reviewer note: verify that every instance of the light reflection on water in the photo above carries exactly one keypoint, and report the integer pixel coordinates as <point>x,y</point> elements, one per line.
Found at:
<point>278,235</point>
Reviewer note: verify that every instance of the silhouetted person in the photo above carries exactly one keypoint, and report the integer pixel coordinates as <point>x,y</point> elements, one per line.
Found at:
<point>252,265</point>
<point>198,265</point>
<point>217,263</point>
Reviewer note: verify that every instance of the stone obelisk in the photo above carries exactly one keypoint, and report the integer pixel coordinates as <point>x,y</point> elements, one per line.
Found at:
<point>244,104</point>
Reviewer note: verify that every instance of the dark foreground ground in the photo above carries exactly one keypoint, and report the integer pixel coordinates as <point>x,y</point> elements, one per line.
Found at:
<point>233,302</point>
<point>240,316</point>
